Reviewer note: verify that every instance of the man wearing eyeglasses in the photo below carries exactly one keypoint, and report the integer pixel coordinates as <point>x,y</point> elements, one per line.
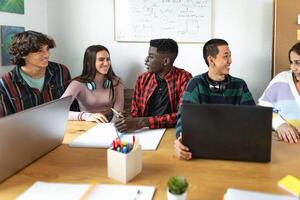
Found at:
<point>283,94</point>
<point>215,86</point>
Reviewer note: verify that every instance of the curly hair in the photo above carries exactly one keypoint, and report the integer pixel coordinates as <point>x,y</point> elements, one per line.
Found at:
<point>27,42</point>
<point>166,45</point>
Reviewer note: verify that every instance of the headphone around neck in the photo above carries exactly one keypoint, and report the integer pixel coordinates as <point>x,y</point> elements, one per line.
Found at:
<point>217,86</point>
<point>92,85</point>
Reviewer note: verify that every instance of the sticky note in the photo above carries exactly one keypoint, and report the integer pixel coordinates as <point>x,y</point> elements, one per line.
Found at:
<point>291,184</point>
<point>298,34</point>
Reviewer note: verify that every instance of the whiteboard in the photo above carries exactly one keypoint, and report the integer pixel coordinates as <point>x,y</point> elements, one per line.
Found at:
<point>181,20</point>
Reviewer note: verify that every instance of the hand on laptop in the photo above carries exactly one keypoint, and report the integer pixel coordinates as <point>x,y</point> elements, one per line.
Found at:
<point>97,117</point>
<point>182,151</point>
<point>288,133</point>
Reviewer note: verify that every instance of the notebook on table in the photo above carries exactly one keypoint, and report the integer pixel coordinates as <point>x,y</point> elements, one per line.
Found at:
<point>25,136</point>
<point>291,184</point>
<point>63,191</point>
<point>227,132</point>
<point>238,194</point>
<point>102,135</point>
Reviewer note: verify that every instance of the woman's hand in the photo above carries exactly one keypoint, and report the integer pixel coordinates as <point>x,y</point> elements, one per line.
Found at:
<point>288,133</point>
<point>97,117</point>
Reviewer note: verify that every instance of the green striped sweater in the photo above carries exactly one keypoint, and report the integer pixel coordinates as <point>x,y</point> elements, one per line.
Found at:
<point>198,92</point>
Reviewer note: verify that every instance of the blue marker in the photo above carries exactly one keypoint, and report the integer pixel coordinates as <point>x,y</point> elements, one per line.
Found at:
<point>124,149</point>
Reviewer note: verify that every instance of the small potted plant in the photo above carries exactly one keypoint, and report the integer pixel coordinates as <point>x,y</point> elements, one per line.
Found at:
<point>177,187</point>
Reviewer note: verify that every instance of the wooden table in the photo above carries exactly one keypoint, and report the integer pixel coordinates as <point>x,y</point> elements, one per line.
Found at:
<point>208,179</point>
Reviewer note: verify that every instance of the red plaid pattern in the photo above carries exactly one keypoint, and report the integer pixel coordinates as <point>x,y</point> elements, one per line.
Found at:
<point>176,79</point>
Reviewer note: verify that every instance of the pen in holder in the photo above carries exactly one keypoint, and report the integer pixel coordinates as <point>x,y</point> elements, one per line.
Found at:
<point>124,166</point>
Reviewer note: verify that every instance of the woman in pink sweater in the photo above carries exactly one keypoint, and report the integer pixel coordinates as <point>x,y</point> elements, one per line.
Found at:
<point>97,89</point>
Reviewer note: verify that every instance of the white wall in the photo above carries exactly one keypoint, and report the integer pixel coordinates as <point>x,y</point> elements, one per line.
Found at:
<point>34,18</point>
<point>245,24</point>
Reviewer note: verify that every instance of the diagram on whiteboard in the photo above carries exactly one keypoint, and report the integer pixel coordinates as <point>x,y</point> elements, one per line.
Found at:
<point>182,20</point>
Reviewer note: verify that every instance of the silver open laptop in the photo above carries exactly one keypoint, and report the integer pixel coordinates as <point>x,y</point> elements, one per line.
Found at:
<point>25,136</point>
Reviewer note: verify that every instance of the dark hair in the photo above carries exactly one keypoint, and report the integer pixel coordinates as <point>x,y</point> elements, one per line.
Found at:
<point>295,48</point>
<point>27,42</point>
<point>89,67</point>
<point>210,48</point>
<point>168,46</point>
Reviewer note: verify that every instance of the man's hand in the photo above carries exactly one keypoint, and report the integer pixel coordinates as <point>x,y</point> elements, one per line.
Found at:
<point>288,133</point>
<point>130,124</point>
<point>182,151</point>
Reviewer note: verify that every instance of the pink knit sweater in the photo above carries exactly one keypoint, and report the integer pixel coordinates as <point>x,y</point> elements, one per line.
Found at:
<point>96,101</point>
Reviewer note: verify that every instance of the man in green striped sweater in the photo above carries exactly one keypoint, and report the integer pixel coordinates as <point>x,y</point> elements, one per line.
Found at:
<point>215,86</point>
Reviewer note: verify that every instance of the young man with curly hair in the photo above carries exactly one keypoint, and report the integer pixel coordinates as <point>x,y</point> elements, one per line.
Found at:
<point>158,92</point>
<point>35,80</point>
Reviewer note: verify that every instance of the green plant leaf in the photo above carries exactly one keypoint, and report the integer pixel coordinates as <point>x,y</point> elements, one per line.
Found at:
<point>177,184</point>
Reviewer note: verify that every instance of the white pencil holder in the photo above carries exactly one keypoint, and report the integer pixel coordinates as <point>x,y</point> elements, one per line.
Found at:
<point>124,166</point>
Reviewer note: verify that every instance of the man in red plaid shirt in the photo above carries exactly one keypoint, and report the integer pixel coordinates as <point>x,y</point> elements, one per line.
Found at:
<point>159,91</point>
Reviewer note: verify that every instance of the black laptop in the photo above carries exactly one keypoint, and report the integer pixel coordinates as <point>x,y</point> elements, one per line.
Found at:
<point>227,132</point>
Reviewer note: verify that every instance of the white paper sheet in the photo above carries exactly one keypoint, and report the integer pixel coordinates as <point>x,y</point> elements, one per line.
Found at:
<point>102,135</point>
<point>236,194</point>
<point>63,191</point>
